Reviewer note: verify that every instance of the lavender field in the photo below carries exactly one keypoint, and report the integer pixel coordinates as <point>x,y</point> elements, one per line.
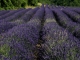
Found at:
<point>42,33</point>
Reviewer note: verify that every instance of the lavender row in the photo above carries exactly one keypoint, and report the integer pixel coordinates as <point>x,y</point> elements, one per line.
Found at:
<point>58,7</point>
<point>67,23</point>
<point>21,40</point>
<point>75,16</point>
<point>63,7</point>
<point>9,13</point>
<point>5,26</point>
<point>26,17</point>
<point>48,14</point>
<point>77,10</point>
<point>3,12</point>
<point>59,43</point>
<point>39,14</point>
<point>14,16</point>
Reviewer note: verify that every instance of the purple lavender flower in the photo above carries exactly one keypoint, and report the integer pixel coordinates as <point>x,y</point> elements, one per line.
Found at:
<point>9,13</point>
<point>67,23</point>
<point>4,12</point>
<point>75,16</point>
<point>14,16</point>
<point>5,26</point>
<point>26,17</point>
<point>59,43</point>
<point>22,39</point>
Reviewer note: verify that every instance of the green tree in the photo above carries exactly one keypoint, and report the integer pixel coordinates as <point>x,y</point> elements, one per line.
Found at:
<point>32,2</point>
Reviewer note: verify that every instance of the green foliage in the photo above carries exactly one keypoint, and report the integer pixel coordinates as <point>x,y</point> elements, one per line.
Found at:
<point>5,50</point>
<point>12,4</point>
<point>61,2</point>
<point>32,2</point>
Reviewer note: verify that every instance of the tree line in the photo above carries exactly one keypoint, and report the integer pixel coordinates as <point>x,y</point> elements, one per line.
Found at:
<point>62,2</point>
<point>12,4</point>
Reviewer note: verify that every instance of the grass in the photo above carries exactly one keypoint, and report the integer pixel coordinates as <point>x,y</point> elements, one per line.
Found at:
<point>30,7</point>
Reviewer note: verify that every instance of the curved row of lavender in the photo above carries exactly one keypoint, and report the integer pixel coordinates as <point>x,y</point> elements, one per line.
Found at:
<point>59,43</point>
<point>14,16</point>
<point>77,10</point>
<point>20,41</point>
<point>3,12</point>
<point>9,13</point>
<point>75,16</point>
<point>26,17</point>
<point>5,26</point>
<point>67,23</point>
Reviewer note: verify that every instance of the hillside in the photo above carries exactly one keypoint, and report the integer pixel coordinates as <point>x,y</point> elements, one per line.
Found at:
<point>40,33</point>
